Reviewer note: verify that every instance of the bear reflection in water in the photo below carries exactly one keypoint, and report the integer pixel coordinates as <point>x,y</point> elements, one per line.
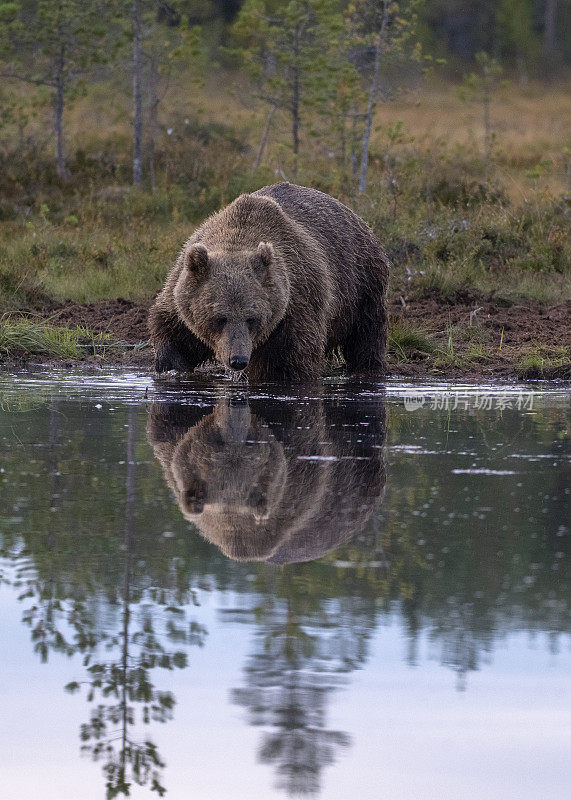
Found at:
<point>266,481</point>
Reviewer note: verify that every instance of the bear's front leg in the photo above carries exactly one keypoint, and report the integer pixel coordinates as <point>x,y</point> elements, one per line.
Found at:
<point>176,347</point>
<point>172,356</point>
<point>288,355</point>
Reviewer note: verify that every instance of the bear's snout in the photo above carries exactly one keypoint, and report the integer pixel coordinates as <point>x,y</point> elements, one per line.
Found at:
<point>234,346</point>
<point>195,497</point>
<point>238,362</point>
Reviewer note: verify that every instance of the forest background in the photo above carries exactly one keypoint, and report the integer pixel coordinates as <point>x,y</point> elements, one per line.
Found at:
<point>443,123</point>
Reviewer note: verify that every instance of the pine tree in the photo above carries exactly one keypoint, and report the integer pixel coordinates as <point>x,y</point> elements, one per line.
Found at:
<point>166,47</point>
<point>480,85</point>
<point>53,43</point>
<point>284,49</point>
<point>337,92</point>
<point>388,31</point>
<point>518,39</point>
<point>159,34</point>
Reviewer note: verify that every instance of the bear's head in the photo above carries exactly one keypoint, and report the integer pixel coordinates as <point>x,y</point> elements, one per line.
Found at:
<point>232,299</point>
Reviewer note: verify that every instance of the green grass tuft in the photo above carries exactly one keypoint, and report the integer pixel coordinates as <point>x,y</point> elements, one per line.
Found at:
<point>551,362</point>
<point>21,335</point>
<point>404,340</point>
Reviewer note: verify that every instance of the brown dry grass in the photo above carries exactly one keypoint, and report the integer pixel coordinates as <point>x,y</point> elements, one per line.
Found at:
<point>530,123</point>
<point>531,127</point>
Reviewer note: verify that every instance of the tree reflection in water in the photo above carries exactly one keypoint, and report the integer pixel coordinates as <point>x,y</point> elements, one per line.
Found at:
<point>304,648</point>
<point>116,620</point>
<point>284,485</point>
<point>288,688</point>
<point>110,734</point>
<point>296,487</point>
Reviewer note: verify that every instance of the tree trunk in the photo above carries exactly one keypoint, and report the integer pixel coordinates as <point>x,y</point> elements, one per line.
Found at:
<point>137,99</point>
<point>369,117</point>
<point>153,116</point>
<point>522,75</point>
<point>127,544</point>
<point>295,113</point>
<point>53,462</point>
<point>59,99</point>
<point>487,133</point>
<point>353,156</point>
<point>264,139</point>
<point>372,95</point>
<point>550,36</point>
<point>295,100</point>
<point>343,136</point>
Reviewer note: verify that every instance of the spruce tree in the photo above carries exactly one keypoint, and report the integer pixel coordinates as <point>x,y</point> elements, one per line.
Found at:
<point>53,43</point>
<point>284,49</point>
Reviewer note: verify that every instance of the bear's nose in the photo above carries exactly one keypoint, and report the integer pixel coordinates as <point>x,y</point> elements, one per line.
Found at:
<point>239,362</point>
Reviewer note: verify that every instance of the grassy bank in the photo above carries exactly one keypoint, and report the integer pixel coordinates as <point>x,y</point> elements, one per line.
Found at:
<point>460,237</point>
<point>85,248</point>
<point>25,335</point>
<point>473,337</point>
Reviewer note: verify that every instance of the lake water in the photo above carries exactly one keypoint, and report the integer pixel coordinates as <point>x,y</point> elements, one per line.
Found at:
<point>221,593</point>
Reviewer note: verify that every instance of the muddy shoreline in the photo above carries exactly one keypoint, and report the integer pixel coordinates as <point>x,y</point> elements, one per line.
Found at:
<point>474,337</point>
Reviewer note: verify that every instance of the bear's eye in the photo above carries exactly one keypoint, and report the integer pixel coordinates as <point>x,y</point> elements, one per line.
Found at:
<point>218,323</point>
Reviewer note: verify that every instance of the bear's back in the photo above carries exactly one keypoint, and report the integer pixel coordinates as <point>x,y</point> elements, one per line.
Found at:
<point>356,261</point>
<point>337,229</point>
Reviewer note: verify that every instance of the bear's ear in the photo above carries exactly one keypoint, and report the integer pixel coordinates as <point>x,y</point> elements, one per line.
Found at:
<point>196,259</point>
<point>264,256</point>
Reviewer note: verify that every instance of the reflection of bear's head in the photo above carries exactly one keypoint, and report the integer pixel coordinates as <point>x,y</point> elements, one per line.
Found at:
<point>229,475</point>
<point>280,487</point>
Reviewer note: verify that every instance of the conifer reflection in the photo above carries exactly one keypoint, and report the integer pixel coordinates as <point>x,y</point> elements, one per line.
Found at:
<point>121,686</point>
<point>125,613</point>
<point>305,647</point>
<point>460,561</point>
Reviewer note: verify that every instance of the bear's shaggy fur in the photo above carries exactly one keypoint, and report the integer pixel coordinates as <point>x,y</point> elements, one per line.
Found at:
<point>275,281</point>
<point>281,484</point>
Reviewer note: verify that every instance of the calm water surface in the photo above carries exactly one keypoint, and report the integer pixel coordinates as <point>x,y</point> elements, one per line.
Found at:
<point>214,593</point>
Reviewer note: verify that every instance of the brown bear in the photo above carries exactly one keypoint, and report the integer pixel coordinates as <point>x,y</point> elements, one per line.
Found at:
<point>272,283</point>
<point>283,484</point>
